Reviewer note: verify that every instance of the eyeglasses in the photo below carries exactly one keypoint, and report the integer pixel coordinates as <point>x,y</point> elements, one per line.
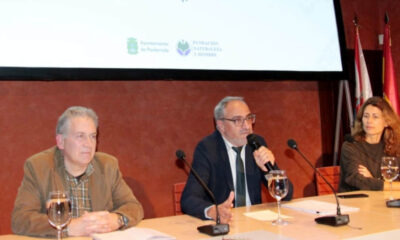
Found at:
<point>238,121</point>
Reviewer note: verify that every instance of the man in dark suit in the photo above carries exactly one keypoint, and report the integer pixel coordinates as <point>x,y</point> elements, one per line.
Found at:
<point>216,159</point>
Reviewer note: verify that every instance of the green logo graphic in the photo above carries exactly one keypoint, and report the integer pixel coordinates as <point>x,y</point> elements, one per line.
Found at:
<point>132,46</point>
<point>183,48</point>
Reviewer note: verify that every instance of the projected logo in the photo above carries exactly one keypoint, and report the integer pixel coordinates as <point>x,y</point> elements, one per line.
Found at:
<point>183,48</point>
<point>132,46</point>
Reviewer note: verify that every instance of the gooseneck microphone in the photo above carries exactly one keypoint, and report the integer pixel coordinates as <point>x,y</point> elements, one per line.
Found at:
<point>255,144</point>
<point>336,220</point>
<point>212,230</point>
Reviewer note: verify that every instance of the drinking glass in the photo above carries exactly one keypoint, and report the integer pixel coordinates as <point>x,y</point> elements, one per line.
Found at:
<point>389,170</point>
<point>58,210</point>
<point>278,186</point>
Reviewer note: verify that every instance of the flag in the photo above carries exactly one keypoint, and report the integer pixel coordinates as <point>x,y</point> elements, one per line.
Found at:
<point>363,85</point>
<point>389,79</point>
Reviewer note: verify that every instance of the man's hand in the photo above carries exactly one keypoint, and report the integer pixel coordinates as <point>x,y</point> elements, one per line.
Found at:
<point>93,222</point>
<point>263,155</point>
<point>224,210</point>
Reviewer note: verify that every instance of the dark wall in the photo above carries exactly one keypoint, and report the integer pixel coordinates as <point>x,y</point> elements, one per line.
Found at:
<point>371,14</point>
<point>143,123</point>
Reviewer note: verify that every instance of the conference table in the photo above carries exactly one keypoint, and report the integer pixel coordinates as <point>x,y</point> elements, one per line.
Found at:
<point>372,220</point>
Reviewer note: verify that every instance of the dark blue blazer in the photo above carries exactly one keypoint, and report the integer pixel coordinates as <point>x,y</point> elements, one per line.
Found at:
<point>211,162</point>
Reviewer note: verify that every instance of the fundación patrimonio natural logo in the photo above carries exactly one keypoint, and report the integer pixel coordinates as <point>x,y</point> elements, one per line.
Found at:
<point>183,48</point>
<point>132,46</point>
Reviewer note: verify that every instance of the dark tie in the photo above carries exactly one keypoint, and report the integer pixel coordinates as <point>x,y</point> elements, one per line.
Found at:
<point>240,199</point>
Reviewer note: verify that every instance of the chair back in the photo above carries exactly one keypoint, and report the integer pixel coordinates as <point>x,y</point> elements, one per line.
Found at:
<point>332,175</point>
<point>178,189</point>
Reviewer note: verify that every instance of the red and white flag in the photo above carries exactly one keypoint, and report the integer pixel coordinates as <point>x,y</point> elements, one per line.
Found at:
<point>363,85</point>
<point>389,79</point>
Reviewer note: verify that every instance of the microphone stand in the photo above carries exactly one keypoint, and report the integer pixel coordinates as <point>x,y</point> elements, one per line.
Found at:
<point>335,220</point>
<point>212,230</point>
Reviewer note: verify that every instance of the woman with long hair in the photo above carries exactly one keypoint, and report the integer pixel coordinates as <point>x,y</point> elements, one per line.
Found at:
<point>376,133</point>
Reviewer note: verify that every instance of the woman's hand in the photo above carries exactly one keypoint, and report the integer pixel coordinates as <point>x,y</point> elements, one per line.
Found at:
<point>364,171</point>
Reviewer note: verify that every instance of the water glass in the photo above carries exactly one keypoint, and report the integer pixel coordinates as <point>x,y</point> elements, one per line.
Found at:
<point>58,210</point>
<point>278,186</point>
<point>389,170</point>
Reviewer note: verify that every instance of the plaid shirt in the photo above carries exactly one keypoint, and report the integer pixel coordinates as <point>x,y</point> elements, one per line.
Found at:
<point>79,192</point>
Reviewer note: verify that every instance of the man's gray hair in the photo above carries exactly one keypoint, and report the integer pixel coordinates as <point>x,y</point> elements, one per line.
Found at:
<point>219,109</point>
<point>74,111</point>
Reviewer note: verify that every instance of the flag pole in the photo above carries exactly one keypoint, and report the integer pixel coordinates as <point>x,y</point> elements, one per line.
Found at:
<point>343,85</point>
<point>386,18</point>
<point>363,91</point>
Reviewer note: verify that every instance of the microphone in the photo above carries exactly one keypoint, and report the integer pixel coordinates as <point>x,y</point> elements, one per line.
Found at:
<point>336,220</point>
<point>212,230</point>
<point>255,144</point>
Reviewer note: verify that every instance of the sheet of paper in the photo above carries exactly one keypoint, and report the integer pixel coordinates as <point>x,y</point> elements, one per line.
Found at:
<point>133,233</point>
<point>264,215</point>
<point>318,207</point>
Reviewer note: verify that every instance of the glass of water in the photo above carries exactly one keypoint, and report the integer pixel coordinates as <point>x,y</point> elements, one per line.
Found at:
<point>58,210</point>
<point>389,170</point>
<point>278,186</point>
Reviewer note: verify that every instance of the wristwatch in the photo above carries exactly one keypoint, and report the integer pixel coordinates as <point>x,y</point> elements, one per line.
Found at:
<point>122,221</point>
